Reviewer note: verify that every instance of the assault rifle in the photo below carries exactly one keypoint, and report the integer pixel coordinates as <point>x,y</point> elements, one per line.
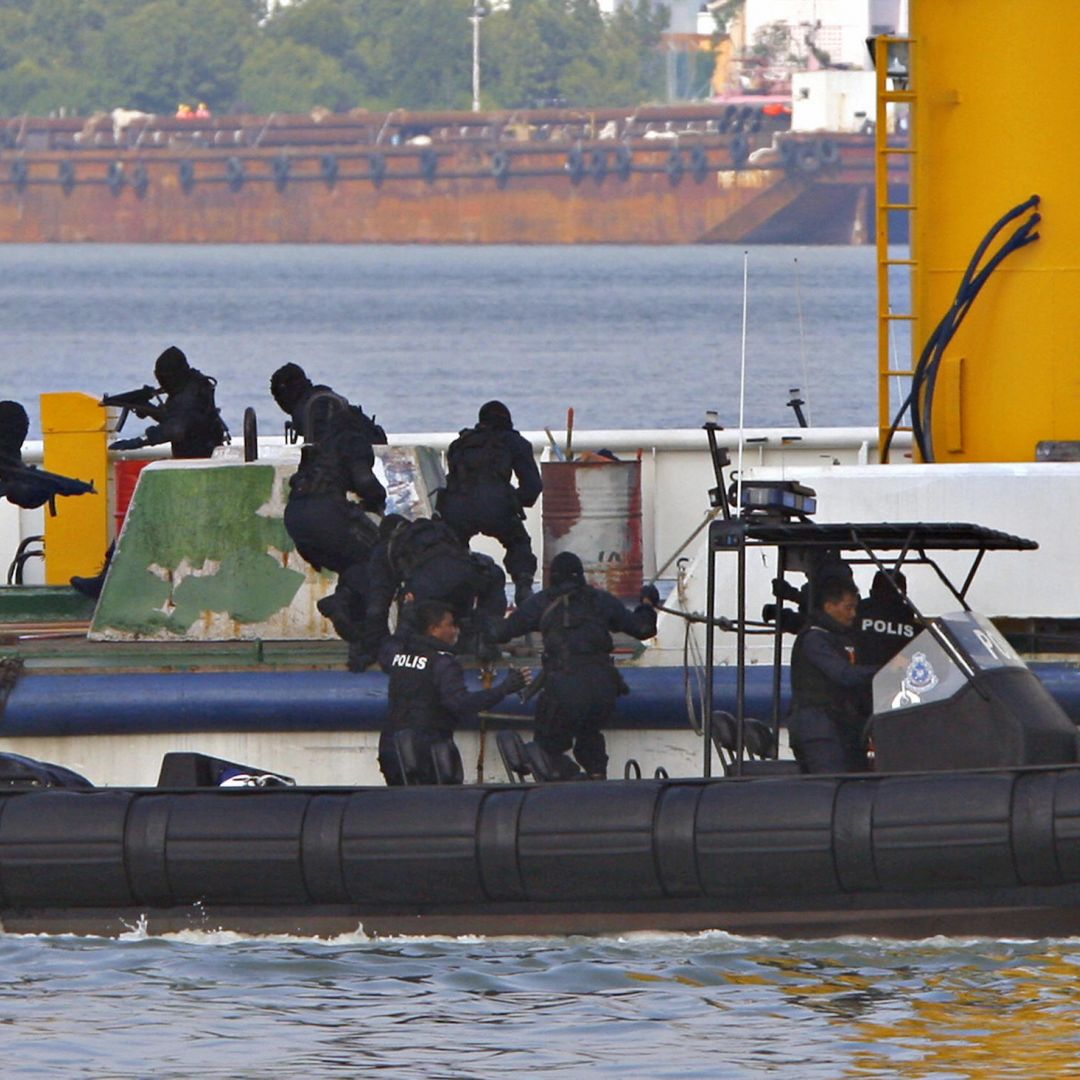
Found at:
<point>16,475</point>
<point>143,402</point>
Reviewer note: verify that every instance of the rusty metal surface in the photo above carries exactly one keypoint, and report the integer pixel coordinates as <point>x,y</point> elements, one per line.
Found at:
<point>594,510</point>
<point>555,181</point>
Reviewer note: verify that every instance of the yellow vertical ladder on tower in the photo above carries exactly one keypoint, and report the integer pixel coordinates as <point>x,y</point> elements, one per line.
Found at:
<point>893,59</point>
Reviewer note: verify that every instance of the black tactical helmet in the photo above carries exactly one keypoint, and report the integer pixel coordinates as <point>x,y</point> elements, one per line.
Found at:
<point>495,414</point>
<point>170,368</point>
<point>565,568</point>
<point>288,385</point>
<point>14,424</point>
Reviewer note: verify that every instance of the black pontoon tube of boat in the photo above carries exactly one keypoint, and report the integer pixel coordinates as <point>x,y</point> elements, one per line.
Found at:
<point>969,288</point>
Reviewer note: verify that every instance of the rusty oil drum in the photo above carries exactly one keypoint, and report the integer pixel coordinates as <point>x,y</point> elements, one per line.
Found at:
<point>594,510</point>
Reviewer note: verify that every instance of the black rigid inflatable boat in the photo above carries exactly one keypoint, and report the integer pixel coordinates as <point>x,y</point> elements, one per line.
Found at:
<point>970,823</point>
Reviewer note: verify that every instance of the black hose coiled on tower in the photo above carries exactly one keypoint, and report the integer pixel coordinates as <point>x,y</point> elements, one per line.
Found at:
<point>920,397</point>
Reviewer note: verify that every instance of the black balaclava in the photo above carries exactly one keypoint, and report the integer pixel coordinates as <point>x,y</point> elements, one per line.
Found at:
<point>288,385</point>
<point>566,569</point>
<point>496,415</point>
<point>14,424</point>
<point>170,369</point>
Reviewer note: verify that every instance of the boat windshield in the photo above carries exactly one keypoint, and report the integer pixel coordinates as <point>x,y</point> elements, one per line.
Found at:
<point>926,671</point>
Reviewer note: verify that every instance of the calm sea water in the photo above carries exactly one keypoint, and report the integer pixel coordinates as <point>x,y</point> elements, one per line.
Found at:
<point>628,337</point>
<point>654,1006</point>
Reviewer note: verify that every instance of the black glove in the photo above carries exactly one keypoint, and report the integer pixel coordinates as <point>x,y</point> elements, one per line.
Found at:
<point>650,594</point>
<point>127,444</point>
<point>513,682</point>
<point>360,661</point>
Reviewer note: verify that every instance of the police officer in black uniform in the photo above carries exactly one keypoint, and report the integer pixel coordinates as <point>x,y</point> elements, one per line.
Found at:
<point>331,531</point>
<point>828,688</point>
<point>884,621</point>
<point>479,495</point>
<point>307,403</point>
<point>580,681</point>
<point>427,688</point>
<point>424,559</point>
<point>189,418</point>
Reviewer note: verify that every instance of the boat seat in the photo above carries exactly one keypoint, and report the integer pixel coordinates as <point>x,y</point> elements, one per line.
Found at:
<point>407,754</point>
<point>547,768</point>
<point>758,746</point>
<point>512,751</point>
<point>446,759</point>
<point>446,765</point>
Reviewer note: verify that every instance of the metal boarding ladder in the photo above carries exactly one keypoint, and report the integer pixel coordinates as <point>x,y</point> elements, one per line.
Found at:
<point>893,89</point>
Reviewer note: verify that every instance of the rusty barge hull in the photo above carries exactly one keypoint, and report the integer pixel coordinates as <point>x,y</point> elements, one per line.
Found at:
<point>337,183</point>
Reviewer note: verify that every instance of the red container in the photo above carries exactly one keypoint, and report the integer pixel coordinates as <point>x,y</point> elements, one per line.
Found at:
<point>126,477</point>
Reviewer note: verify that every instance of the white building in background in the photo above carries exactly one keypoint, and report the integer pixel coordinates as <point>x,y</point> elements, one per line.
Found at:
<point>840,27</point>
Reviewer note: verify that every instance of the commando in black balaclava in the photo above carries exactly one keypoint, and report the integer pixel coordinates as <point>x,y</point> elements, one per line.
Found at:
<point>170,369</point>
<point>495,414</point>
<point>14,424</point>
<point>288,385</point>
<point>566,569</point>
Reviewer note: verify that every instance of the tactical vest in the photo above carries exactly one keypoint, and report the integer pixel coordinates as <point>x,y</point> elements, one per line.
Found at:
<point>417,543</point>
<point>575,629</point>
<point>414,695</point>
<point>811,688</point>
<point>480,454</point>
<point>206,430</point>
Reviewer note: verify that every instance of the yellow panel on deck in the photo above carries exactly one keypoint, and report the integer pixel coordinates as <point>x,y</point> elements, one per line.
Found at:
<point>76,444</point>
<point>995,82</point>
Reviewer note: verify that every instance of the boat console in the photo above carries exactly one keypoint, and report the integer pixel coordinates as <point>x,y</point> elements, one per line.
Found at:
<point>959,697</point>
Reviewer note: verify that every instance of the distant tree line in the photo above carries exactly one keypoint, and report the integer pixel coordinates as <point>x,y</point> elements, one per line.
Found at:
<point>258,56</point>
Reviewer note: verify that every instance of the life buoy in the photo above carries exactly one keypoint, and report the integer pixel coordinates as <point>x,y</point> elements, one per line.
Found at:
<point>598,165</point>
<point>740,151</point>
<point>377,168</point>
<point>114,177</point>
<point>500,167</point>
<point>328,168</point>
<point>140,180</point>
<point>282,169</point>
<point>675,167</point>
<point>828,153</point>
<point>624,162</point>
<point>187,175</point>
<point>575,165</point>
<point>18,174</point>
<point>234,173</point>
<point>429,164</point>
<point>699,164</point>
